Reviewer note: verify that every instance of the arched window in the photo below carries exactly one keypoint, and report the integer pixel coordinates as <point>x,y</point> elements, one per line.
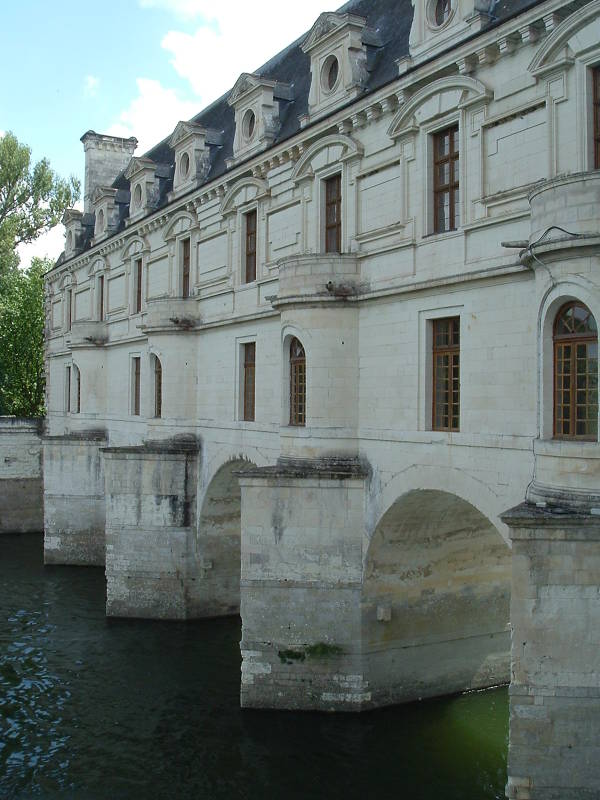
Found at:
<point>297,383</point>
<point>157,387</point>
<point>575,373</point>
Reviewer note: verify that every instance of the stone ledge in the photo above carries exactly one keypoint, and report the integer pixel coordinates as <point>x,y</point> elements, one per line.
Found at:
<point>178,445</point>
<point>328,468</point>
<point>567,523</point>
<point>77,437</point>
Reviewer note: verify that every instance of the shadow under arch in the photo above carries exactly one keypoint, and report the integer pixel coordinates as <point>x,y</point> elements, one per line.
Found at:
<point>219,540</point>
<point>435,600</point>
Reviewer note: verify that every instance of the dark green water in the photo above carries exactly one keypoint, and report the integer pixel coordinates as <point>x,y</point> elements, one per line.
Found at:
<point>91,708</point>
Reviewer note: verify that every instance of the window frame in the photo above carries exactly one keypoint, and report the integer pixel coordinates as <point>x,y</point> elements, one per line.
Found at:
<point>68,388</point>
<point>596,116</point>
<point>101,298</point>
<point>186,266</point>
<point>559,341</point>
<point>297,385</point>
<point>138,278</point>
<point>336,201</point>
<point>250,274</point>
<point>157,372</point>
<point>248,381</point>
<point>68,309</point>
<point>452,350</point>
<point>136,386</point>
<point>453,183</point>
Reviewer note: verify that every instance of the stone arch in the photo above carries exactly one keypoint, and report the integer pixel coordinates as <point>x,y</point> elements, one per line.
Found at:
<point>288,333</point>
<point>553,47</point>
<point>260,187</point>
<point>133,247</point>
<point>182,223</point>
<point>456,482</point>
<point>343,149</point>
<point>219,539</point>
<point>435,599</point>
<point>471,91</point>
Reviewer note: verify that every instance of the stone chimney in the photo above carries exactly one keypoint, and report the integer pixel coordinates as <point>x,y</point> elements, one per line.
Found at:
<point>105,158</point>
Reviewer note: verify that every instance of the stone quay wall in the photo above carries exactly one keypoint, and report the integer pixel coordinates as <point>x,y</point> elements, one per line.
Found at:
<point>21,485</point>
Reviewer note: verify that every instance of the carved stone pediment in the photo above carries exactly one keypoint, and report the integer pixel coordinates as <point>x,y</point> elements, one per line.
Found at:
<point>185,130</point>
<point>326,23</point>
<point>139,164</point>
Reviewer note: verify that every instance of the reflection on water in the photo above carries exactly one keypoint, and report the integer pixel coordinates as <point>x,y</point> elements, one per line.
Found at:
<point>92,708</point>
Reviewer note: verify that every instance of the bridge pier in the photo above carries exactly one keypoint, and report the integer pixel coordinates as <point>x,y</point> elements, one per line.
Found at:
<point>152,565</point>
<point>300,586</point>
<point>74,511</point>
<point>554,748</point>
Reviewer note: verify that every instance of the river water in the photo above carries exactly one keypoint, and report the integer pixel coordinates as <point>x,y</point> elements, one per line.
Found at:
<point>96,708</point>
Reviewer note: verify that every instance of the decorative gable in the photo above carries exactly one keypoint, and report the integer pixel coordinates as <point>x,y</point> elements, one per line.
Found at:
<point>143,177</point>
<point>440,24</point>
<point>256,104</point>
<point>106,212</point>
<point>338,62</point>
<point>192,155</point>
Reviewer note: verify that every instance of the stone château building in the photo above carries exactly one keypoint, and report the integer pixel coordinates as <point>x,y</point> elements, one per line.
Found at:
<point>329,354</point>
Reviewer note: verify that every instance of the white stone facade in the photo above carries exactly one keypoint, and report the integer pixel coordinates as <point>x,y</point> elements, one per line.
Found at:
<point>517,84</point>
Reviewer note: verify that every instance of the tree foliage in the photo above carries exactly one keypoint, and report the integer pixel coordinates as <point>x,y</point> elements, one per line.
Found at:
<point>32,201</point>
<point>22,341</point>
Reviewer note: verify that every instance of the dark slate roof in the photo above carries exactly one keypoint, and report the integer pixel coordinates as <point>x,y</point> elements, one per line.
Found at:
<point>389,20</point>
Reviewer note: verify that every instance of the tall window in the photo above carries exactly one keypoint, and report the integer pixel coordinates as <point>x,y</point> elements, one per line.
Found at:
<point>596,111</point>
<point>77,376</point>
<point>138,285</point>
<point>101,298</point>
<point>446,374</point>
<point>446,208</point>
<point>333,214</point>
<point>136,383</point>
<point>68,390</point>
<point>157,387</point>
<point>185,270</point>
<point>250,223</point>
<point>575,373</point>
<point>68,309</point>
<point>249,380</point>
<point>297,383</point>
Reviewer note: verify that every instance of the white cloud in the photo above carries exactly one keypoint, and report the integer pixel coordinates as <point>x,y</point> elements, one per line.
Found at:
<point>153,114</point>
<point>90,86</point>
<point>48,245</point>
<point>236,37</point>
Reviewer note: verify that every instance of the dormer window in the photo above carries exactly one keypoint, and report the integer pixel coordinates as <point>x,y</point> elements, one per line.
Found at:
<point>145,179</point>
<point>137,196</point>
<point>256,103</point>
<point>101,223</point>
<point>337,46</point>
<point>191,145</point>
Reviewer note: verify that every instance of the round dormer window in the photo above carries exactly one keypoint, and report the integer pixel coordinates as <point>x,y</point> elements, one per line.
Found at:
<point>439,12</point>
<point>330,73</point>
<point>70,240</point>
<point>249,124</point>
<point>137,196</point>
<point>100,221</point>
<point>184,165</point>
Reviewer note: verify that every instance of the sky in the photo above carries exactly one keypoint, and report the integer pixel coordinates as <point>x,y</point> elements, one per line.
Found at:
<point>127,68</point>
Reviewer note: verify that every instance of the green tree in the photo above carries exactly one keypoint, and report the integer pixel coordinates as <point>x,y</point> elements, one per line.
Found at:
<point>32,198</point>
<point>22,341</point>
<point>32,201</point>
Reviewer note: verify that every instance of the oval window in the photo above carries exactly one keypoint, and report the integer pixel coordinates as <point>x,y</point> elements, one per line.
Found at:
<point>184,165</point>
<point>442,11</point>
<point>249,124</point>
<point>330,73</point>
<point>137,196</point>
<point>100,221</point>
